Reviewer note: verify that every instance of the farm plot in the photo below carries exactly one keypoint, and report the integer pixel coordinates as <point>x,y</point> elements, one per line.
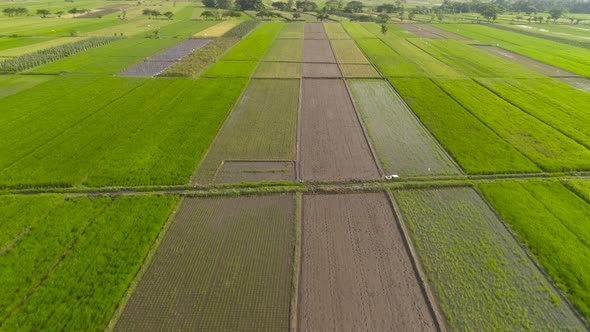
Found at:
<point>524,61</point>
<point>225,264</point>
<point>157,63</point>
<point>426,63</point>
<point>560,55</point>
<point>557,105</point>
<point>389,63</point>
<point>284,50</point>
<point>16,51</point>
<point>404,147</point>
<point>463,247</point>
<point>321,70</point>
<point>359,71</point>
<point>468,59</point>
<point>217,30</point>
<point>169,146</point>
<point>555,224</point>
<point>261,128</point>
<point>24,266</point>
<point>318,51</point>
<point>230,69</point>
<point>335,31</point>
<point>97,269</point>
<point>347,52</point>
<point>418,31</point>
<point>547,147</point>
<point>19,213</point>
<point>254,46</point>
<point>11,84</point>
<point>277,70</point>
<point>476,148</point>
<point>356,273</point>
<point>114,57</point>
<point>292,30</point>
<point>357,31</point>
<point>442,33</point>
<point>332,143</point>
<point>65,154</point>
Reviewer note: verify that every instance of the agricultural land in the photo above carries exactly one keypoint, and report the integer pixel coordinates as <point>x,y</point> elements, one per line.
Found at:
<point>256,165</point>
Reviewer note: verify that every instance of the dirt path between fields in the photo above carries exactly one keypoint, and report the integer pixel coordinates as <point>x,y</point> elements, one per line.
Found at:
<point>356,273</point>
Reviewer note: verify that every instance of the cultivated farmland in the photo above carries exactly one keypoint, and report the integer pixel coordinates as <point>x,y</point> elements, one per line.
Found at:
<point>355,270</point>
<point>242,281</point>
<point>274,170</point>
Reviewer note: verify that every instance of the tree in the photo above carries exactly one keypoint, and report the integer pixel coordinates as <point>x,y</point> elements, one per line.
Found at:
<point>59,13</point>
<point>225,4</point>
<point>249,4</point>
<point>354,7</point>
<point>207,14</point>
<point>13,11</point>
<point>43,13</point>
<point>384,28</point>
<point>306,6</point>
<point>383,18</point>
<point>411,15</point>
<point>555,13</point>
<point>169,15</point>
<point>489,11</point>
<point>209,3</point>
<point>296,15</point>
<point>401,13</point>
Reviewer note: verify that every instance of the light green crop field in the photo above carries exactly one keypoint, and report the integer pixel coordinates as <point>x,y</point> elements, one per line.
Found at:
<point>547,147</point>
<point>476,148</point>
<point>347,52</point>
<point>580,187</point>
<point>564,56</point>
<point>107,249</point>
<point>254,46</point>
<point>290,50</point>
<point>463,245</point>
<point>230,69</point>
<point>404,147</point>
<point>554,223</point>
<point>558,105</point>
<point>11,84</point>
<point>389,63</point>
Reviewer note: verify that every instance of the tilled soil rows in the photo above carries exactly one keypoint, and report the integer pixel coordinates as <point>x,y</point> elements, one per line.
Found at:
<point>332,143</point>
<point>356,273</point>
<point>321,70</point>
<point>225,264</point>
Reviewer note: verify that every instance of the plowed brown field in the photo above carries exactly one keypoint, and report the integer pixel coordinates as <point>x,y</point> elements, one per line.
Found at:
<point>356,273</point>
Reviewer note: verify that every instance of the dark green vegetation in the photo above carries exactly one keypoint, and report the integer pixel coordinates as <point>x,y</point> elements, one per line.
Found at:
<point>464,246</point>
<point>30,60</point>
<point>102,245</point>
<point>554,223</point>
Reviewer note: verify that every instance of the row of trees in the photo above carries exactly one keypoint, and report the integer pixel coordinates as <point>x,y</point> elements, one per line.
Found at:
<point>151,13</point>
<point>12,11</point>
<point>238,4</point>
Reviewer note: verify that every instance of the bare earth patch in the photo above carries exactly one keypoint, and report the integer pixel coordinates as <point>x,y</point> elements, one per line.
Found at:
<point>321,70</point>
<point>333,145</point>
<point>233,171</point>
<point>318,51</point>
<point>356,273</point>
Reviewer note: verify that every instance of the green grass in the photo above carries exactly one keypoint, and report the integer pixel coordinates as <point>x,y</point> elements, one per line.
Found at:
<point>356,31</point>
<point>568,57</point>
<point>482,278</point>
<point>24,266</point>
<point>249,134</point>
<point>19,213</point>
<point>558,105</point>
<point>230,69</point>
<point>255,44</point>
<point>554,224</point>
<point>98,270</point>
<point>402,144</point>
<point>476,148</point>
<point>244,247</point>
<point>169,146</point>
<point>547,147</point>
